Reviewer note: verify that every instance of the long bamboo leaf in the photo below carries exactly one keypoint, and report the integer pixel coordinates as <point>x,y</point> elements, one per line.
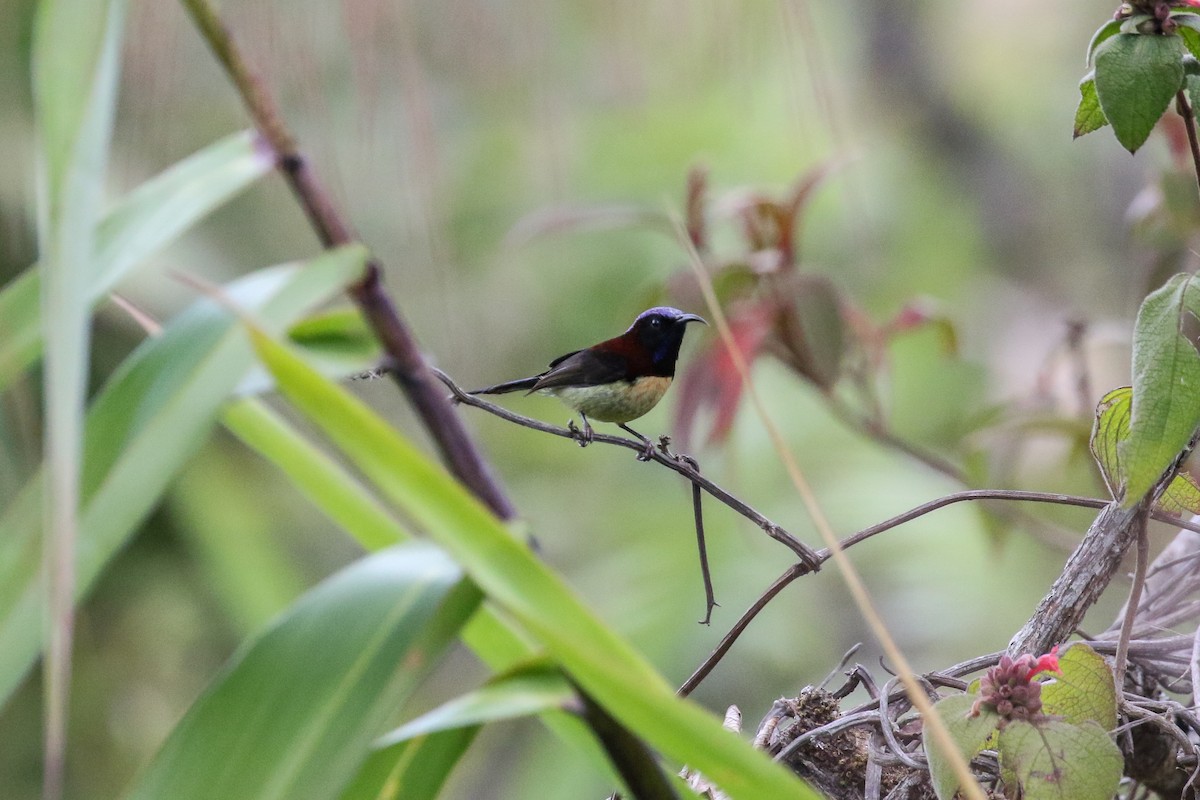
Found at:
<point>141,223</point>
<point>342,497</point>
<point>75,72</point>
<point>601,662</point>
<point>328,484</point>
<point>293,715</point>
<point>150,417</point>
<point>227,530</point>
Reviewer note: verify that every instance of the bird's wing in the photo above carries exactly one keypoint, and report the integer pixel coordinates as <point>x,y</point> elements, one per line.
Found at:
<point>583,368</point>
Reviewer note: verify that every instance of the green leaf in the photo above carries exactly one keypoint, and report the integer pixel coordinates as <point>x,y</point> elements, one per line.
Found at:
<point>603,664</point>
<point>1192,85</point>
<point>415,771</point>
<point>1182,495</point>
<point>20,325</point>
<point>530,688</point>
<point>1102,34</point>
<point>969,733</point>
<point>146,422</point>
<point>226,529</point>
<point>165,207</point>
<point>1054,760</point>
<point>336,330</point>
<point>1110,429</point>
<point>413,761</point>
<point>1085,690</point>
<point>1166,379</point>
<point>1088,116</point>
<point>812,328</point>
<point>1189,31</point>
<point>1136,77</point>
<point>325,482</point>
<point>1139,24</point>
<point>76,64</point>
<point>337,341</point>
<point>293,714</point>
<point>144,221</point>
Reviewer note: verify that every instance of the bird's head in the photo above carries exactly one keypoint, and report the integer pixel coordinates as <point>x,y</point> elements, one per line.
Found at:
<point>660,332</point>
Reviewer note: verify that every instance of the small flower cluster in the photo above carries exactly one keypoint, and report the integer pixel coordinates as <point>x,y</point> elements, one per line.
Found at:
<point>1009,689</point>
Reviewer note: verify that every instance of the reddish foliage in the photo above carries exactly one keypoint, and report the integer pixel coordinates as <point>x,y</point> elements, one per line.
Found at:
<point>713,381</point>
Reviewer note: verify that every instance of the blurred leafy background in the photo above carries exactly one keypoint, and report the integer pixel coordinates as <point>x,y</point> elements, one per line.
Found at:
<point>442,127</point>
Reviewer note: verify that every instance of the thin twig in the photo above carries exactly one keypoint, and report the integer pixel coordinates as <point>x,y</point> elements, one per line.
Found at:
<point>710,600</point>
<point>1075,340</point>
<point>673,462</point>
<point>1135,596</point>
<point>409,367</point>
<point>849,654</point>
<point>889,732</point>
<point>1189,123</point>
<point>714,658</point>
<point>876,430</point>
<point>857,676</point>
<point>794,572</point>
<point>1195,668</point>
<point>873,784</point>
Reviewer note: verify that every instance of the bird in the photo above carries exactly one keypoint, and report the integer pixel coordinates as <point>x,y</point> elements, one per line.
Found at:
<point>617,380</point>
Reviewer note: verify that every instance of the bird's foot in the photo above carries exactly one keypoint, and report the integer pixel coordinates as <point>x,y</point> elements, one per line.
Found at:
<point>648,447</point>
<point>583,436</point>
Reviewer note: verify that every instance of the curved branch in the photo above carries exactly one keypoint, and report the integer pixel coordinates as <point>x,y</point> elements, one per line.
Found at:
<point>792,573</point>
<point>810,560</point>
<point>662,455</point>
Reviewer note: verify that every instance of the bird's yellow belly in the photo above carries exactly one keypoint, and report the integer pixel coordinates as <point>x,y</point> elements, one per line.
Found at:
<point>615,402</point>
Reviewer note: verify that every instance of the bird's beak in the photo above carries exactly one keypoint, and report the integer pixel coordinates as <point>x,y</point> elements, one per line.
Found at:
<point>686,318</point>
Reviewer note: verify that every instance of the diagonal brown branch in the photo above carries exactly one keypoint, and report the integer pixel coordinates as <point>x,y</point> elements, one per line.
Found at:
<point>408,365</point>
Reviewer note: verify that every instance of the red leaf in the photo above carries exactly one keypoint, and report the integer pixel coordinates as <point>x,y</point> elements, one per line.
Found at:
<point>712,383</point>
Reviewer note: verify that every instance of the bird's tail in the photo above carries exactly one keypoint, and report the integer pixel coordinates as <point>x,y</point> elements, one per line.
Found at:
<point>511,386</point>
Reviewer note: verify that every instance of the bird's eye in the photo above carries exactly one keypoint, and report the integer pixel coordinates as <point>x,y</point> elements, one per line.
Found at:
<point>656,322</point>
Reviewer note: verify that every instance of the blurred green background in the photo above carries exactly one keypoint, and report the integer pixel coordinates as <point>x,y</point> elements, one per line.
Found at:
<point>440,127</point>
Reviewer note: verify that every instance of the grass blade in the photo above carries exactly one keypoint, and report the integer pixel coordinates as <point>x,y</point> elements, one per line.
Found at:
<point>75,69</point>
<point>144,221</point>
<point>329,485</point>
<point>151,416</point>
